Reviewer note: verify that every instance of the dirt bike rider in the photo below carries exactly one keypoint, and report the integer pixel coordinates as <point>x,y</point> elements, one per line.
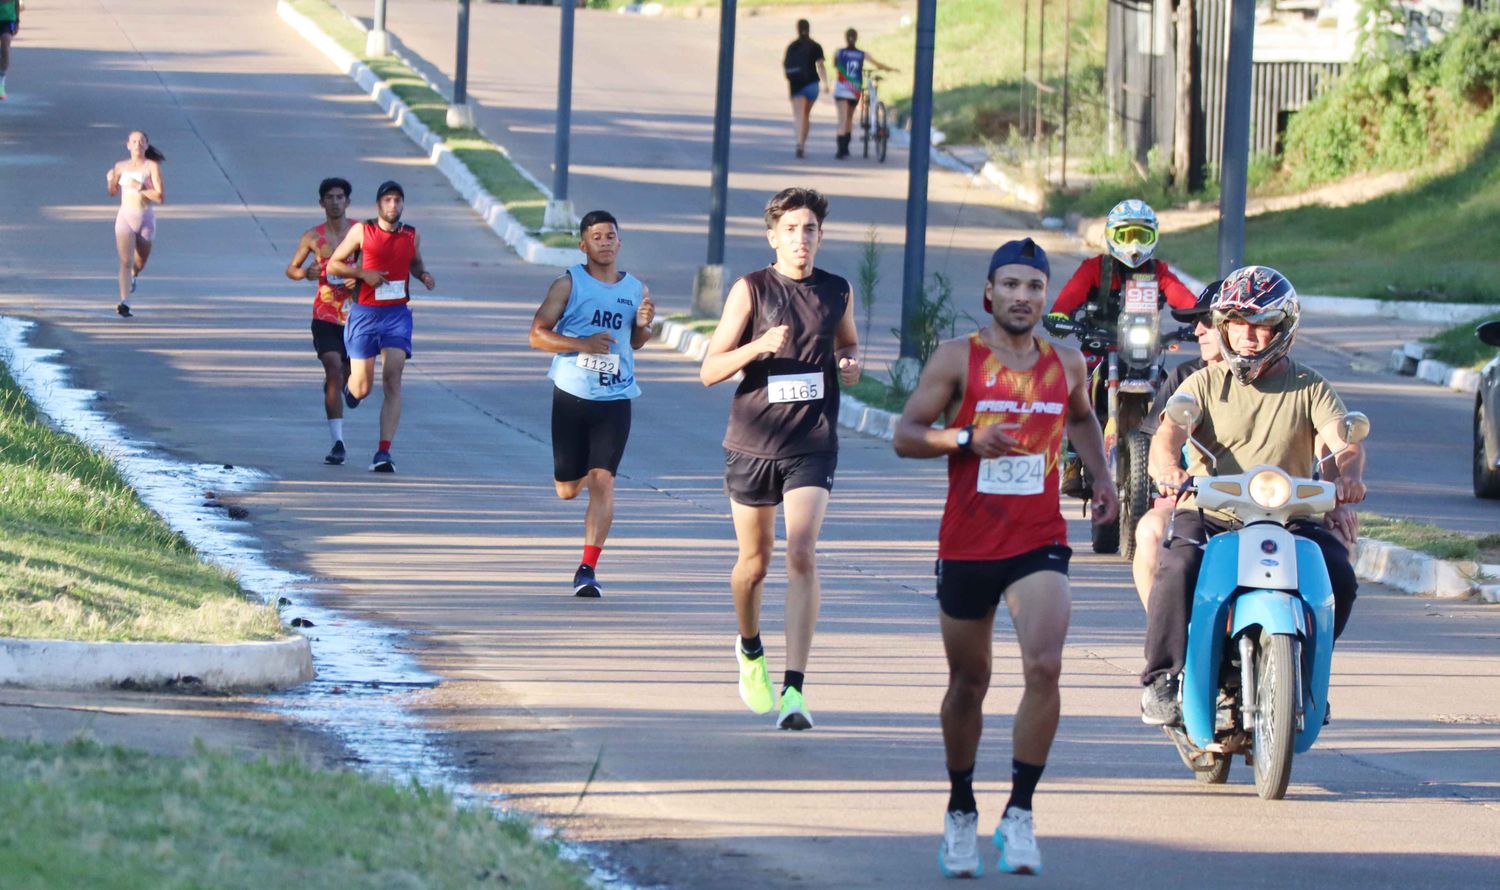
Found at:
<point>1130,236</point>
<point>1259,407</point>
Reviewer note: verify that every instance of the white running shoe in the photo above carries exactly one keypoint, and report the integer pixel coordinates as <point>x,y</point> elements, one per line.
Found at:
<point>958,857</point>
<point>1017,842</point>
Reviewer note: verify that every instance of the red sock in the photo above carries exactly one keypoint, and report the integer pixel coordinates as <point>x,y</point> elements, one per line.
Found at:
<point>591,555</point>
<point>385,444</point>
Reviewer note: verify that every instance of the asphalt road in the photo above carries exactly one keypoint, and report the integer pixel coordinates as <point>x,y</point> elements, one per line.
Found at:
<point>467,547</point>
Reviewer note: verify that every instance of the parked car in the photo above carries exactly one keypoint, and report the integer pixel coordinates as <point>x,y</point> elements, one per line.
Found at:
<point>1487,419</point>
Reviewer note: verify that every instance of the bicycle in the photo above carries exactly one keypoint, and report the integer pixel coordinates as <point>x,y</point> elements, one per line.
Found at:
<point>875,124</point>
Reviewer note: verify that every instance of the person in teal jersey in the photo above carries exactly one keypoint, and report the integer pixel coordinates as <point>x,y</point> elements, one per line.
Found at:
<point>593,319</point>
<point>10,24</point>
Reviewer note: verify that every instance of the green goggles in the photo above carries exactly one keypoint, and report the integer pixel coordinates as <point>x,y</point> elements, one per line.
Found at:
<point>1144,235</point>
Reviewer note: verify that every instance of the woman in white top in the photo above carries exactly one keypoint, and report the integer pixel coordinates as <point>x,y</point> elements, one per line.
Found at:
<point>137,180</point>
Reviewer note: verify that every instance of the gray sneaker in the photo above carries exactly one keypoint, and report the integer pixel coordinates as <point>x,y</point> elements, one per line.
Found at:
<point>1159,702</point>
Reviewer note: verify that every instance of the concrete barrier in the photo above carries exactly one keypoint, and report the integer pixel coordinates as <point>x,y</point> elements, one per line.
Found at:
<point>71,664</point>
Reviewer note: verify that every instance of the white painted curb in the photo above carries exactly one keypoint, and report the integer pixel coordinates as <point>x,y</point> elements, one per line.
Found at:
<point>853,414</point>
<point>1411,361</point>
<point>70,664</point>
<point>1417,573</point>
<point>489,208</point>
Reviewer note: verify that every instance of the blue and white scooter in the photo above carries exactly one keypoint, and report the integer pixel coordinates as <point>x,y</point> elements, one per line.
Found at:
<point>1260,639</point>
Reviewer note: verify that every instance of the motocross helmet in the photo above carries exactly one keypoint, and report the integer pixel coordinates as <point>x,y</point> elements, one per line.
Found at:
<point>1261,296</point>
<point>1130,232</point>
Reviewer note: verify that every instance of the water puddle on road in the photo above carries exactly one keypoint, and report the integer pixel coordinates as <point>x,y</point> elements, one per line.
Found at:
<point>365,674</point>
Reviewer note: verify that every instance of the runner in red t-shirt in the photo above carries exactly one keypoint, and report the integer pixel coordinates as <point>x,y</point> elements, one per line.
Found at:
<point>330,304</point>
<point>1008,394</point>
<point>379,324</point>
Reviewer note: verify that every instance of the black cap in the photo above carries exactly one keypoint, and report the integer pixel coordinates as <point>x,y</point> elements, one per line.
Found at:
<point>1200,308</point>
<point>390,185</point>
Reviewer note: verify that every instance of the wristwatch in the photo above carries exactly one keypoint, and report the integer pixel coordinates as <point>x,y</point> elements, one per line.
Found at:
<point>966,437</point>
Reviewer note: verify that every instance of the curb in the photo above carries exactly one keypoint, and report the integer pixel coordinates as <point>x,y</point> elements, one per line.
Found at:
<point>1417,573</point>
<point>1411,361</point>
<point>853,413</point>
<point>489,208</point>
<point>71,664</point>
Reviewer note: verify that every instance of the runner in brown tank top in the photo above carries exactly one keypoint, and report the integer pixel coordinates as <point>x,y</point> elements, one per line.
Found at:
<point>994,446</point>
<point>790,328</point>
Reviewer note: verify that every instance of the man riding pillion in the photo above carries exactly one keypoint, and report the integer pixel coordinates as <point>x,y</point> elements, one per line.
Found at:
<point>1259,406</point>
<point>1093,295</point>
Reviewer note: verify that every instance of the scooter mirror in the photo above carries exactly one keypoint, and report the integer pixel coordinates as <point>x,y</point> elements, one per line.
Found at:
<point>1184,410</point>
<point>1354,427</point>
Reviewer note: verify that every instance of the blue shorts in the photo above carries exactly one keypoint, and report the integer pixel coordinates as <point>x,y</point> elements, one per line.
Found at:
<point>809,92</point>
<point>373,328</point>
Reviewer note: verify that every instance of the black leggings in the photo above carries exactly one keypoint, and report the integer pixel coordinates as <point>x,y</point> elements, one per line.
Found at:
<point>1177,571</point>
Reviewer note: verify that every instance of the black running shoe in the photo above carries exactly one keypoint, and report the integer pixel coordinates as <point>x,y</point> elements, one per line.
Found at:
<point>336,455</point>
<point>123,309</point>
<point>350,400</point>
<point>585,584</point>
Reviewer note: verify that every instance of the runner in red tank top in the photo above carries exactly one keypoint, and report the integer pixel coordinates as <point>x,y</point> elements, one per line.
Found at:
<point>379,325</point>
<point>1008,395</point>
<point>330,303</point>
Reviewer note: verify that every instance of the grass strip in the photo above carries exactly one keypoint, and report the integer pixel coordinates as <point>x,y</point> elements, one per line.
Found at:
<point>1430,242</point>
<point>1459,347</point>
<point>85,815</point>
<point>486,160</point>
<point>82,558</point>
<point>1430,539</point>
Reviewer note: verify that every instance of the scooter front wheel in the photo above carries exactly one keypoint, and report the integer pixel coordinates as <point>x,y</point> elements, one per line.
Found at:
<point>1275,713</point>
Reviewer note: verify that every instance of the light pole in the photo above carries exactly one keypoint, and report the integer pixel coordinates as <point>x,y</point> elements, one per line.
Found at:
<point>559,213</point>
<point>1236,159</point>
<point>916,177</point>
<point>378,41</point>
<point>708,289</point>
<point>460,112</point>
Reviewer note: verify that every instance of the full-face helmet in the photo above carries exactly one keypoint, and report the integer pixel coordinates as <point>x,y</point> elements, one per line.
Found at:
<point>1130,232</point>
<point>1261,296</point>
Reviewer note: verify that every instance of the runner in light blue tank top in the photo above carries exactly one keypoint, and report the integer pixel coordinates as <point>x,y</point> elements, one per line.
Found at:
<point>594,306</point>
<point>592,320</point>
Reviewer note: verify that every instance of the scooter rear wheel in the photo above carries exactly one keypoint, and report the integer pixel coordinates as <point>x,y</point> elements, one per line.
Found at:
<point>1275,714</point>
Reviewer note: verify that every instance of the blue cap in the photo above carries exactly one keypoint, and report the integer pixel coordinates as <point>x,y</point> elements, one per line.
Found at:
<point>1025,252</point>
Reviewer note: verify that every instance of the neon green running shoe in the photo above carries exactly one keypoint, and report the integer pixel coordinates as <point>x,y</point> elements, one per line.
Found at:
<point>756,690</point>
<point>794,713</point>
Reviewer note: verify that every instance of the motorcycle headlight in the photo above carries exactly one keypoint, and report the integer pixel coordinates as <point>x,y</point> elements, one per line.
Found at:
<point>1270,489</point>
<point>1138,336</point>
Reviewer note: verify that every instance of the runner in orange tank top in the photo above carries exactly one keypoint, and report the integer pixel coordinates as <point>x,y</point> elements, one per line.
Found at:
<point>330,304</point>
<point>1008,396</point>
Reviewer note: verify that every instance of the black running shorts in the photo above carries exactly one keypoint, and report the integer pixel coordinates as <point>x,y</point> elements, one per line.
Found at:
<point>587,435</point>
<point>971,588</point>
<point>762,481</point>
<point>328,337</point>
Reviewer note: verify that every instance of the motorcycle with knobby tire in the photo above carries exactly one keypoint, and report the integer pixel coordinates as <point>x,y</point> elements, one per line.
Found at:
<point>1125,363</point>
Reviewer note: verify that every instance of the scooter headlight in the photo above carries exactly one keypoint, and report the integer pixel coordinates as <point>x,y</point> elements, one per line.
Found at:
<point>1270,489</point>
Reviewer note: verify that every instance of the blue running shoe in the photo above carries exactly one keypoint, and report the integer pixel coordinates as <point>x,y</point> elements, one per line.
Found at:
<point>350,400</point>
<point>585,584</point>
<point>381,463</point>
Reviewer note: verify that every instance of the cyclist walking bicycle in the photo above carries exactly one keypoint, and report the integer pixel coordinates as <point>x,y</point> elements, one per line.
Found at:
<point>849,88</point>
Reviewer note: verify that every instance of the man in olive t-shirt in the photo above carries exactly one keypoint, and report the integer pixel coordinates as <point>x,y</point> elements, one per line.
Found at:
<point>1259,407</point>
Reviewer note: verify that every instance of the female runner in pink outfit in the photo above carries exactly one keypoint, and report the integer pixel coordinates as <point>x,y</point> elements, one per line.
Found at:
<point>138,182</point>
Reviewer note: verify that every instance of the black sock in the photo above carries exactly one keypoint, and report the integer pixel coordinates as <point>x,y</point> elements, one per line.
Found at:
<point>751,646</point>
<point>793,680</point>
<point>961,791</point>
<point>1023,779</point>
